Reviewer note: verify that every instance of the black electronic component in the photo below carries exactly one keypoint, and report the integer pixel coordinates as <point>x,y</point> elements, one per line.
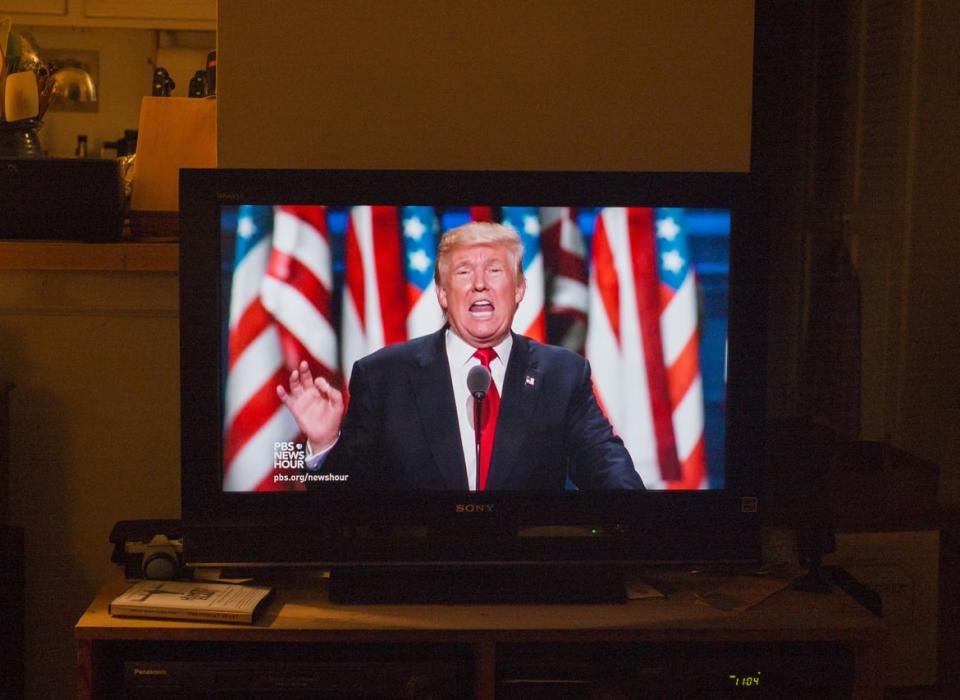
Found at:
<point>163,84</point>
<point>198,84</point>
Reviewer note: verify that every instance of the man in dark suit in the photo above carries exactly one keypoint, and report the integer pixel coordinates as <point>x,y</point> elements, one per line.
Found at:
<point>410,418</point>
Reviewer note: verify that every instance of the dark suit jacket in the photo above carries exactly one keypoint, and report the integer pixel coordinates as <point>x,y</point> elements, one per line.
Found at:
<point>400,430</point>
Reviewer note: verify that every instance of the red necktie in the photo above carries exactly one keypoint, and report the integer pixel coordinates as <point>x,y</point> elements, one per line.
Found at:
<point>489,411</point>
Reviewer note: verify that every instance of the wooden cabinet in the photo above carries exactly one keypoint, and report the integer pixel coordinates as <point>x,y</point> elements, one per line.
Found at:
<point>486,651</point>
<point>139,14</point>
<point>31,9</point>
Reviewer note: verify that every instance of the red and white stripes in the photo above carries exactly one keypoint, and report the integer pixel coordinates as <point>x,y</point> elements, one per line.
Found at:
<point>564,257</point>
<point>642,343</point>
<point>375,295</point>
<point>279,315</point>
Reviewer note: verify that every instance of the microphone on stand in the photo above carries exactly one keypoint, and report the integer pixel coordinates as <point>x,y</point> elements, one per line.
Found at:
<point>478,382</point>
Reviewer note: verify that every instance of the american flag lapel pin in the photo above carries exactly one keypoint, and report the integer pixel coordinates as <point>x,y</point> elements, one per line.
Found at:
<point>530,381</point>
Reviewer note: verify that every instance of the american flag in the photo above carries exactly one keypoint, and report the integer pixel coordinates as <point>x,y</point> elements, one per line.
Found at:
<point>420,233</point>
<point>679,323</point>
<point>564,261</point>
<point>530,320</point>
<point>279,314</point>
<point>642,343</point>
<point>375,290</point>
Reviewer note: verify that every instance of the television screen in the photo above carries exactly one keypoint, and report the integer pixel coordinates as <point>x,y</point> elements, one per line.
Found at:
<point>640,291</point>
<point>641,316</point>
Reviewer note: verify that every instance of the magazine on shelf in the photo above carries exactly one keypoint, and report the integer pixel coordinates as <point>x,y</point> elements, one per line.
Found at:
<point>191,600</point>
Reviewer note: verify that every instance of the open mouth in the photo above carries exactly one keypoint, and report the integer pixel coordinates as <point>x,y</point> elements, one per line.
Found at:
<point>481,309</point>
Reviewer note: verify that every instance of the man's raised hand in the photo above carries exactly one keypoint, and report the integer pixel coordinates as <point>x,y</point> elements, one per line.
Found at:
<point>315,404</point>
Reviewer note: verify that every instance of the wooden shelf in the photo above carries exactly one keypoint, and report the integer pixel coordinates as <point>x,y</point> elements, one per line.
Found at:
<point>488,635</point>
<point>90,257</point>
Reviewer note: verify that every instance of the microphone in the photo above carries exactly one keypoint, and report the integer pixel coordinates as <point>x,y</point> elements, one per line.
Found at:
<point>478,381</point>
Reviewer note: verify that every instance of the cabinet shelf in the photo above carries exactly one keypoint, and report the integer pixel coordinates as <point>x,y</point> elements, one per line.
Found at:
<point>90,257</point>
<point>495,650</point>
<point>125,14</point>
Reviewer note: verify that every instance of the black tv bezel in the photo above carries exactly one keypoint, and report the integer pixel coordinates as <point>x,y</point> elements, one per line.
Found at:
<point>402,527</point>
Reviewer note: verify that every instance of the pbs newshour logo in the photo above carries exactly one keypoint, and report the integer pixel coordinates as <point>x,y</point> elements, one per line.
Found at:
<point>288,455</point>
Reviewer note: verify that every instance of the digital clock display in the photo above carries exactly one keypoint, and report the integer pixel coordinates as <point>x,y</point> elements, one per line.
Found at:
<point>745,680</point>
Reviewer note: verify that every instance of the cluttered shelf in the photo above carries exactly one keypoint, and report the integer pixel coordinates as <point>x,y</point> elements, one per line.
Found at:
<point>84,257</point>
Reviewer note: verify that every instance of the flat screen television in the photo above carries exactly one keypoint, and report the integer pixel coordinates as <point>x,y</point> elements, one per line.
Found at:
<point>656,278</point>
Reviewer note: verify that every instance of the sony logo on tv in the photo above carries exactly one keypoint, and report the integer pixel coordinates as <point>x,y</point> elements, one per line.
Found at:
<point>474,508</point>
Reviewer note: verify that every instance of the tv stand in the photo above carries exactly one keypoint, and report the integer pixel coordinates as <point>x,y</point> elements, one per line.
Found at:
<point>514,583</point>
<point>799,645</point>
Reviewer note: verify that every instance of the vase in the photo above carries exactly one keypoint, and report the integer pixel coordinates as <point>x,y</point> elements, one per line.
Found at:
<point>19,139</point>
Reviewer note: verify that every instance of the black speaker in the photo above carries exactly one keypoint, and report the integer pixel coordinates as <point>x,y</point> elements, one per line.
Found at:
<point>65,199</point>
<point>11,612</point>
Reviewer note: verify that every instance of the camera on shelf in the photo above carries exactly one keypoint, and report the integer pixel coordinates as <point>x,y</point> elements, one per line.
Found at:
<point>151,549</point>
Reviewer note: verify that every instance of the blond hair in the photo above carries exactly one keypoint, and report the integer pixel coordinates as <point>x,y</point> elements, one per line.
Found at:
<point>478,233</point>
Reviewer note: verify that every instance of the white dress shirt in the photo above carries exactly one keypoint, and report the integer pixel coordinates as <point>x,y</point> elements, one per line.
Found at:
<point>461,359</point>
